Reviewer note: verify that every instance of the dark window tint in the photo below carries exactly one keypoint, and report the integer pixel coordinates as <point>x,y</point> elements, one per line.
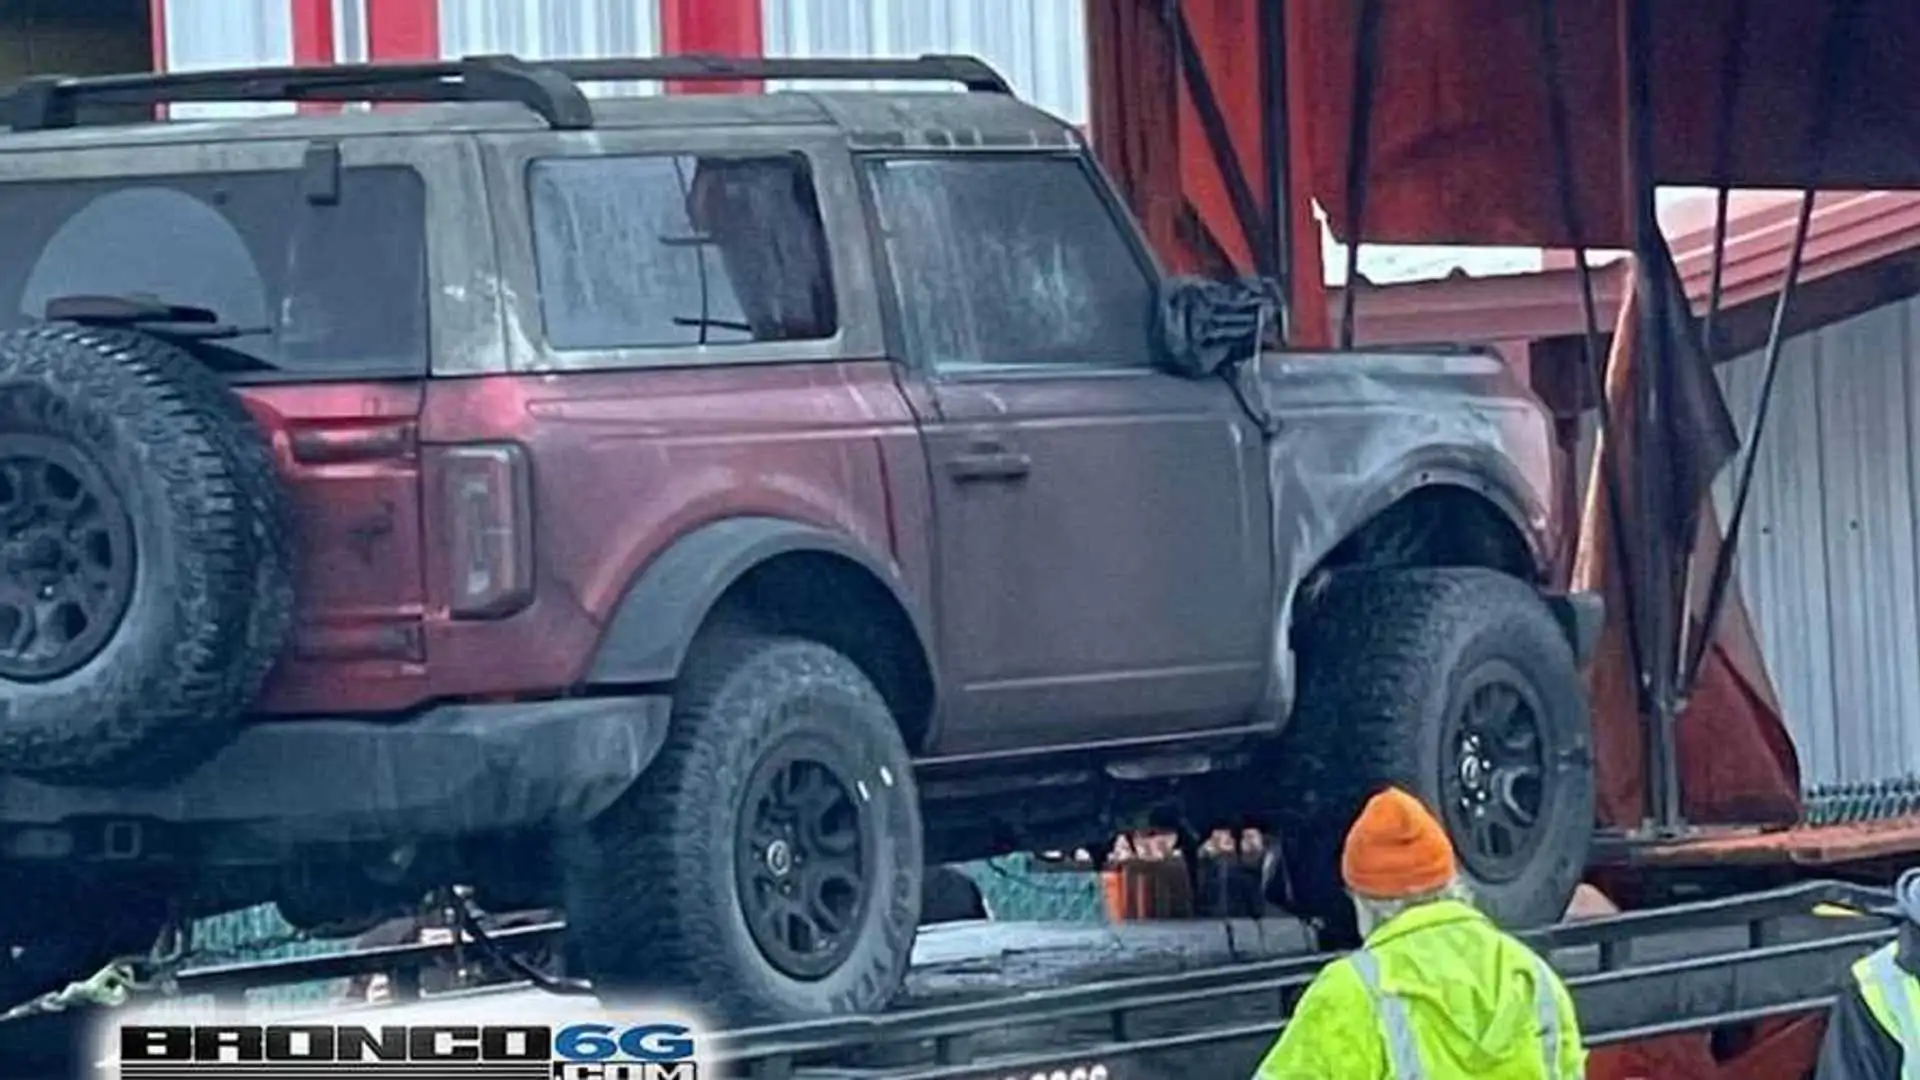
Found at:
<point>1014,260</point>
<point>661,251</point>
<point>335,290</point>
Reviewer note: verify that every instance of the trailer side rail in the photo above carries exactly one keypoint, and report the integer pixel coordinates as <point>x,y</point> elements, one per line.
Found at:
<point>1633,975</point>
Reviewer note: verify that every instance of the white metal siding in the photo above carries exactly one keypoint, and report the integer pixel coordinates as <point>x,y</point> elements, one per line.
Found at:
<point>203,34</point>
<point>1830,552</point>
<point>1039,45</point>
<point>350,31</point>
<point>553,29</point>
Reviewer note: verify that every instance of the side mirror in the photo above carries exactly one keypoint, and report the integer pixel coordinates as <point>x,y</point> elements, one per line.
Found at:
<point>1205,325</point>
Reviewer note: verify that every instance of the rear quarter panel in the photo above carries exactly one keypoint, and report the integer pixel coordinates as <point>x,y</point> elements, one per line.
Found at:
<point>625,463</point>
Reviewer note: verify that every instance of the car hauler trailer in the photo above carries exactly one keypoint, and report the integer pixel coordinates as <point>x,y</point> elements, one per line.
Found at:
<point>1740,969</point>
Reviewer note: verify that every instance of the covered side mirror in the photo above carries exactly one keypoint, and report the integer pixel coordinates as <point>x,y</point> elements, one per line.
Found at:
<point>1207,325</point>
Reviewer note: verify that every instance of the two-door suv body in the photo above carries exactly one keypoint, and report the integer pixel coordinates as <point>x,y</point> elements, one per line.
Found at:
<point>705,512</point>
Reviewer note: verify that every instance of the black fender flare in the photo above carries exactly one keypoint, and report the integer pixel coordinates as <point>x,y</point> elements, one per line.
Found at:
<point>1482,472</point>
<point>1581,615</point>
<point>647,638</point>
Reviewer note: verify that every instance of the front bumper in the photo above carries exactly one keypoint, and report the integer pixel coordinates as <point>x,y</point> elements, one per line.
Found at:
<point>454,771</point>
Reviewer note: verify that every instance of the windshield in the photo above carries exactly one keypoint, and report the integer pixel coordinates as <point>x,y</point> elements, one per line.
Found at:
<point>322,289</point>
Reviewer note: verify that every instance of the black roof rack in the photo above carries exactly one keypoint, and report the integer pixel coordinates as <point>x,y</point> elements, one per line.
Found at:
<point>549,88</point>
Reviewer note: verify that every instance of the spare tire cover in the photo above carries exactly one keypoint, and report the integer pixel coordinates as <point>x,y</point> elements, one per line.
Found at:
<point>145,580</point>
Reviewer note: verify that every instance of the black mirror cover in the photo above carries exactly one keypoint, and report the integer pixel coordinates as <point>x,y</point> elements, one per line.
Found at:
<point>1209,325</point>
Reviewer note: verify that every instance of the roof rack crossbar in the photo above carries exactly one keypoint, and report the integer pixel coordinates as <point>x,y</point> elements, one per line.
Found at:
<point>549,89</point>
<point>968,71</point>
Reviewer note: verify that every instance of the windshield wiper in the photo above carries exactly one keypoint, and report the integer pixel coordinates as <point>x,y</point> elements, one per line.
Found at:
<point>178,324</point>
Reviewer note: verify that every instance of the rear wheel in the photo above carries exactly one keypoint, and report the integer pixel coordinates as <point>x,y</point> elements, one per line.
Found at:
<point>768,866</point>
<point>1459,686</point>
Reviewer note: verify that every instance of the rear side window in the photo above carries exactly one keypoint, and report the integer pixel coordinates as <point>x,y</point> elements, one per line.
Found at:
<point>662,251</point>
<point>320,290</point>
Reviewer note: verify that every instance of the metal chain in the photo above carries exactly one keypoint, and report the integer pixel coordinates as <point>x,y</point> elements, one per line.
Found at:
<point>106,988</point>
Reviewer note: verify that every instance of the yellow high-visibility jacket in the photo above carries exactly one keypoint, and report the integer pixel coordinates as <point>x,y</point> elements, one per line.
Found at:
<point>1437,993</point>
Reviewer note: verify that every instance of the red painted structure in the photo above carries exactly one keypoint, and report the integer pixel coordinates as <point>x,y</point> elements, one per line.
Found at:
<point>1461,149</point>
<point>712,27</point>
<point>403,29</point>
<point>1863,247</point>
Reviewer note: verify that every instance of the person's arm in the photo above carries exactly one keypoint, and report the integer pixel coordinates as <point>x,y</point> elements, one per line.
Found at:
<point>1856,1047</point>
<point>1332,1035</point>
<point>1573,1046</point>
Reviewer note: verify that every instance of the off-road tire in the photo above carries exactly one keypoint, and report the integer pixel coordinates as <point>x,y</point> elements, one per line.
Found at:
<point>1382,654</point>
<point>653,899</point>
<point>212,597</point>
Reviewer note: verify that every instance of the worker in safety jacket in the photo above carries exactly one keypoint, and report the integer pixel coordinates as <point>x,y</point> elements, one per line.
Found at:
<point>1873,1032</point>
<point>1437,991</point>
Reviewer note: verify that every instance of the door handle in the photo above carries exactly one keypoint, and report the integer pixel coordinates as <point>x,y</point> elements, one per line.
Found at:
<point>989,463</point>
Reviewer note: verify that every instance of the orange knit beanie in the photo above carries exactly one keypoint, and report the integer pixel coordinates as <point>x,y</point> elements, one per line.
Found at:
<point>1396,849</point>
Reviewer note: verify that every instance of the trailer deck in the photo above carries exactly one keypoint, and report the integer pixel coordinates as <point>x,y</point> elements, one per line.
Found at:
<point>1145,1001</point>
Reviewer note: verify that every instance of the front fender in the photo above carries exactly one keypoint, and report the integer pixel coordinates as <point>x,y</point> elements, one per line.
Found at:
<point>1483,470</point>
<point>647,638</point>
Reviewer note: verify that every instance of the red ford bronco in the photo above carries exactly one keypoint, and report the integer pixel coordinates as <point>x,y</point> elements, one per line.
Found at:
<point>704,513</point>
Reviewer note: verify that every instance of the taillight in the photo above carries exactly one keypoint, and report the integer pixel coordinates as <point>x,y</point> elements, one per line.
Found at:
<point>489,508</point>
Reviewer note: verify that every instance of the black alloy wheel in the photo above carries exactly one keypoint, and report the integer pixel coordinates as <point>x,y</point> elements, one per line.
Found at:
<point>66,558</point>
<point>802,858</point>
<point>1493,776</point>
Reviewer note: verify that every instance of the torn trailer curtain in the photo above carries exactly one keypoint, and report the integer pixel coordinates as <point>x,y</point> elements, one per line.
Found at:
<point>1734,753</point>
<point>1461,148</point>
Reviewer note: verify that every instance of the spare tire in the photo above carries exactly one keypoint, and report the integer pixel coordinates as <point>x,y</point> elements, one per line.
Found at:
<point>145,577</point>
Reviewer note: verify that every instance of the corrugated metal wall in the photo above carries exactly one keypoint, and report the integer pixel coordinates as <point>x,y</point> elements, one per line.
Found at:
<point>202,34</point>
<point>553,28</point>
<point>350,45</point>
<point>1829,564</point>
<point>1039,45</point>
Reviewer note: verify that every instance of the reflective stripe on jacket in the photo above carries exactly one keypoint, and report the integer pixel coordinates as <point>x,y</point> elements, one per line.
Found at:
<point>1437,993</point>
<point>1891,995</point>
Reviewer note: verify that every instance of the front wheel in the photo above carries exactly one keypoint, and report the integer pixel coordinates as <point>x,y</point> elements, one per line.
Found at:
<point>767,868</point>
<point>1458,686</point>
